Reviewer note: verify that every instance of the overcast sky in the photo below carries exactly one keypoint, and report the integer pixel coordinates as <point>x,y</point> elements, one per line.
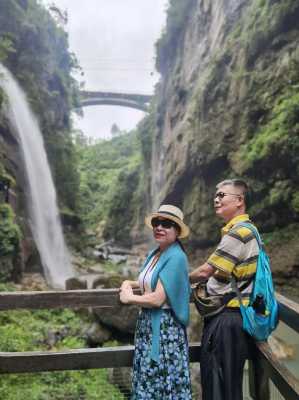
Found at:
<point>114,43</point>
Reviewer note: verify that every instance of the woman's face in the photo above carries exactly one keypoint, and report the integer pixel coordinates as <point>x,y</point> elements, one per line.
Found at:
<point>164,236</point>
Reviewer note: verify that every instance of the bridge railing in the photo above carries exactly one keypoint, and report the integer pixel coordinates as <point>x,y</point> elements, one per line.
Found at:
<point>266,366</point>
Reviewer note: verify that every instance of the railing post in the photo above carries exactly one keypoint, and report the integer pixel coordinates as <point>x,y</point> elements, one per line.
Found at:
<point>258,380</point>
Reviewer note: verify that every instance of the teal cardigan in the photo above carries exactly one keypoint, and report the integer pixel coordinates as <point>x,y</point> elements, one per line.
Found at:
<point>172,270</point>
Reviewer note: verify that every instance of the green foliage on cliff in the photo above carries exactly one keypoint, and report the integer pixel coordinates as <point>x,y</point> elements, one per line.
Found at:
<point>279,137</point>
<point>10,236</point>
<point>34,47</point>
<point>109,173</point>
<point>240,117</point>
<point>266,21</point>
<point>146,129</point>
<point>123,207</point>
<point>177,18</point>
<point>9,232</point>
<point>49,330</point>
<point>268,155</point>
<point>5,177</point>
<point>5,48</point>
<point>63,156</point>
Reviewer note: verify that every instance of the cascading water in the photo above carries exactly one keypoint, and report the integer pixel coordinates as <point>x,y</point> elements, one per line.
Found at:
<point>43,210</point>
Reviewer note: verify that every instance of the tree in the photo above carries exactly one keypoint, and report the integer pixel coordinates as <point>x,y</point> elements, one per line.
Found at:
<point>115,131</point>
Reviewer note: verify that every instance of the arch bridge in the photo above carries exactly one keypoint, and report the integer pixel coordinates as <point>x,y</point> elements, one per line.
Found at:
<point>131,100</point>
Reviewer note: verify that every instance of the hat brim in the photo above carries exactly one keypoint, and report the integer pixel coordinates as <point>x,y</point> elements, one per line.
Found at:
<point>184,228</point>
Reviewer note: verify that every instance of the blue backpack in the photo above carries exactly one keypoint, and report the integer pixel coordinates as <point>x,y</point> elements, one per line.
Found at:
<point>260,317</point>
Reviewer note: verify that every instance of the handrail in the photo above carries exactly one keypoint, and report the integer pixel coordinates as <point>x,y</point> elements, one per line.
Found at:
<point>104,357</point>
<point>288,311</point>
<point>59,299</point>
<point>268,365</point>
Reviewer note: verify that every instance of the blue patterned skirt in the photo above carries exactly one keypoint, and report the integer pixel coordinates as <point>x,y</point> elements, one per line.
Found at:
<point>169,379</point>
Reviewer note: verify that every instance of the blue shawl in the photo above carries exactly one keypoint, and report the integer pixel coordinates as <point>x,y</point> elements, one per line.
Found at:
<point>172,270</point>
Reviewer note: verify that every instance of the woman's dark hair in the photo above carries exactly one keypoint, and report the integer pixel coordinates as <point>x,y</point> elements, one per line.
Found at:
<point>181,245</point>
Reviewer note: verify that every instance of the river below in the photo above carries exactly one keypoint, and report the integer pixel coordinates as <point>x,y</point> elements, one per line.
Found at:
<point>290,337</point>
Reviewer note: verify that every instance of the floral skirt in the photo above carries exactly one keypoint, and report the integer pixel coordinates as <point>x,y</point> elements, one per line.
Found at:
<point>169,379</point>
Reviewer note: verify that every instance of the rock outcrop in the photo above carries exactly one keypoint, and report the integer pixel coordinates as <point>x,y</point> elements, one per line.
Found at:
<point>228,106</point>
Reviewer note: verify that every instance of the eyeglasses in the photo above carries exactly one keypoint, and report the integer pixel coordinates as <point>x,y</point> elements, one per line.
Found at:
<point>220,195</point>
<point>165,223</point>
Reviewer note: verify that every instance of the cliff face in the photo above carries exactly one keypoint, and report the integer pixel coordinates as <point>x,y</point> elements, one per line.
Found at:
<point>228,106</point>
<point>35,49</point>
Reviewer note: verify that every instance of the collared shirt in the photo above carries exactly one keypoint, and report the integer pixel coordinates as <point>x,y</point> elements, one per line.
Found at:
<point>237,254</point>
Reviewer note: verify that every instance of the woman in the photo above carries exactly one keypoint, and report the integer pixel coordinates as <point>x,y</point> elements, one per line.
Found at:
<point>161,362</point>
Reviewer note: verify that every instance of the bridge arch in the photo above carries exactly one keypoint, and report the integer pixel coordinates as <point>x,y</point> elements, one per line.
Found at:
<point>131,100</point>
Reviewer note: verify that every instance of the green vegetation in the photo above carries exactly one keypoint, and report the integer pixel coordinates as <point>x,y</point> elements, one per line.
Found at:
<point>10,236</point>
<point>121,214</point>
<point>49,330</point>
<point>83,385</point>
<point>265,23</point>
<point>279,136</point>
<point>281,236</point>
<point>5,48</point>
<point>34,47</point>
<point>9,232</point>
<point>5,177</point>
<point>177,18</point>
<point>274,151</point>
<point>109,172</point>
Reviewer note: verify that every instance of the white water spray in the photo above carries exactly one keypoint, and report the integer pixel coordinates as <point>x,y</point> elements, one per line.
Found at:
<point>43,210</point>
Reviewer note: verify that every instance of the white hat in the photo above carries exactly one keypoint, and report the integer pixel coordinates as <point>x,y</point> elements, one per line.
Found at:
<point>173,213</point>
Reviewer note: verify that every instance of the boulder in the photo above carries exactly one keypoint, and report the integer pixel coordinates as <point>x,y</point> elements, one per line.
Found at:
<point>97,335</point>
<point>117,258</point>
<point>122,318</point>
<point>107,281</point>
<point>76,283</point>
<point>33,282</point>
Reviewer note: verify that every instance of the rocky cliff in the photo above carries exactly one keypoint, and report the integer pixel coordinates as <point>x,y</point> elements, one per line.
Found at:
<point>228,106</point>
<point>34,47</point>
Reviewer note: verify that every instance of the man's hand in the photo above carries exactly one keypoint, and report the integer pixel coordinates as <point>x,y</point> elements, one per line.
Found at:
<point>202,273</point>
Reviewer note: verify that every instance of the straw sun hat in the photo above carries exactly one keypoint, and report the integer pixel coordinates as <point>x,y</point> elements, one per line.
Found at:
<point>173,213</point>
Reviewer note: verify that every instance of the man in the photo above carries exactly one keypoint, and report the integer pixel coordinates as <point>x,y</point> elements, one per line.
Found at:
<point>225,346</point>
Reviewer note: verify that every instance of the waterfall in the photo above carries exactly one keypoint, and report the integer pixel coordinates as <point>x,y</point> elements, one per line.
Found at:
<point>44,216</point>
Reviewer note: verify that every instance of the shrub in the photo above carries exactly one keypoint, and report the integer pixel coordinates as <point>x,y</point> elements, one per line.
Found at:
<point>9,231</point>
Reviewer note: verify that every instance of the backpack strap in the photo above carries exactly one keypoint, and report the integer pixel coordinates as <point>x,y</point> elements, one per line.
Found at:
<point>260,244</point>
<point>253,230</point>
<point>237,290</point>
<point>227,297</point>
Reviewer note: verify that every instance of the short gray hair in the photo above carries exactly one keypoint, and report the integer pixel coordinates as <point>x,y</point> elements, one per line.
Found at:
<point>237,183</point>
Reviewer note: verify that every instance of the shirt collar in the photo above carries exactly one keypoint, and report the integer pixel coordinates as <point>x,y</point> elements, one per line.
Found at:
<point>234,221</point>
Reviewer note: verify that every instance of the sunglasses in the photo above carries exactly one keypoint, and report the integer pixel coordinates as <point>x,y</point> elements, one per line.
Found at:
<point>165,223</point>
<point>220,195</point>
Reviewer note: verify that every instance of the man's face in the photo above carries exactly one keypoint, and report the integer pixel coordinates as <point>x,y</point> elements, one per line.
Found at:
<point>228,202</point>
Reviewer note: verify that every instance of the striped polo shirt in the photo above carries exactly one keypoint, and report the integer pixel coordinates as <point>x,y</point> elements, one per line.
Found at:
<point>236,253</point>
